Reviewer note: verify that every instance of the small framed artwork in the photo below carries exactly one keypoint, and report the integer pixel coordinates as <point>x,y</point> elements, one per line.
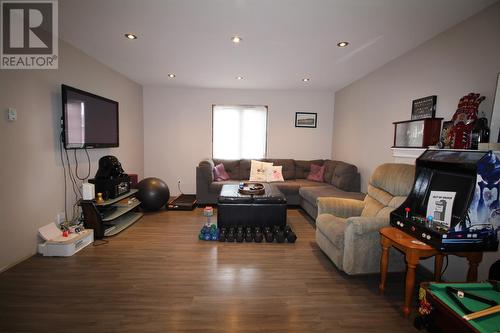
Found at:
<point>306,119</point>
<point>424,107</point>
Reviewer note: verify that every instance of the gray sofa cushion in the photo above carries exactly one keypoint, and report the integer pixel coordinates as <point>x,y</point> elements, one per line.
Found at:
<point>302,168</point>
<point>245,166</point>
<point>232,167</point>
<point>329,170</point>
<point>344,175</point>
<point>293,185</point>
<point>310,194</point>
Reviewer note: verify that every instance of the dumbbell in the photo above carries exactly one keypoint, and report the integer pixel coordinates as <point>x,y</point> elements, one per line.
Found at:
<point>214,232</point>
<point>248,234</point>
<point>222,234</point>
<point>258,236</point>
<point>230,234</point>
<point>240,234</point>
<point>268,234</point>
<point>291,237</point>
<point>203,233</point>
<point>279,234</point>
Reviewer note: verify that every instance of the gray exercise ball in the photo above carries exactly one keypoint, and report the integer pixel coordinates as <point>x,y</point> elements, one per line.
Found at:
<point>153,193</point>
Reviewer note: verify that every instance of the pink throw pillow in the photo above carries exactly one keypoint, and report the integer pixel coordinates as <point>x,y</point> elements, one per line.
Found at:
<point>220,173</point>
<point>276,175</point>
<point>316,173</point>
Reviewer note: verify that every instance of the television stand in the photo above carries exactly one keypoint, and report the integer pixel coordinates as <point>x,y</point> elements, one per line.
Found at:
<point>112,216</point>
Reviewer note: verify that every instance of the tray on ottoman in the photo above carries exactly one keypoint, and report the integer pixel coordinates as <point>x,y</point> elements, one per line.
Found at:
<point>235,208</point>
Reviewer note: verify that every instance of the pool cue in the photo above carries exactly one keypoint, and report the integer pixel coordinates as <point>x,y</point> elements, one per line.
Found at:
<point>482,313</point>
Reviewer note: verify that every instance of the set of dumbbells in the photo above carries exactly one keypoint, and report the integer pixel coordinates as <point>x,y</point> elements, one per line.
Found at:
<point>257,234</point>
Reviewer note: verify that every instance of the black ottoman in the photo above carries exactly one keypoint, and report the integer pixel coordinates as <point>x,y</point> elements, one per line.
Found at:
<point>234,208</point>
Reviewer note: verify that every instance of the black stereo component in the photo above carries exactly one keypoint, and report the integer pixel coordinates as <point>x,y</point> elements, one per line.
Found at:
<point>454,204</point>
<point>112,188</point>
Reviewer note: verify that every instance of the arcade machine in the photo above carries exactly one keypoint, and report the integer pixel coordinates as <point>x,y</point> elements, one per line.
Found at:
<point>454,204</point>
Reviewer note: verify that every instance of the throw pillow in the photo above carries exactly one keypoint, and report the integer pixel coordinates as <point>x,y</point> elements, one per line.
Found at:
<point>220,173</point>
<point>259,171</point>
<point>275,175</point>
<point>316,173</point>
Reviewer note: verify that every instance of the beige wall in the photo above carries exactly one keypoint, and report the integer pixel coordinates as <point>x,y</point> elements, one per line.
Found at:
<point>178,134</point>
<point>464,59</point>
<point>32,176</point>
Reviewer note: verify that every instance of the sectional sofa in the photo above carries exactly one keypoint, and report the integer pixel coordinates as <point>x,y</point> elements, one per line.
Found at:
<point>340,180</point>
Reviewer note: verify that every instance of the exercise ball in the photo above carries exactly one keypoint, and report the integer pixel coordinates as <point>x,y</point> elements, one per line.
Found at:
<point>153,193</point>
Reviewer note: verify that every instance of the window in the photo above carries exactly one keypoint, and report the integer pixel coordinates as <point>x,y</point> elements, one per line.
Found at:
<point>239,131</point>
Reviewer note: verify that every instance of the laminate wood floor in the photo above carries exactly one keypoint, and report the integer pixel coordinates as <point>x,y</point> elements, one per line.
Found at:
<point>157,277</point>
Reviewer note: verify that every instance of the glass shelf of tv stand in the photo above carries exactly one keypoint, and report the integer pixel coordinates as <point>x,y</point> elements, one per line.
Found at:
<point>110,217</point>
<point>121,216</point>
<point>120,209</point>
<point>117,199</point>
<point>120,223</point>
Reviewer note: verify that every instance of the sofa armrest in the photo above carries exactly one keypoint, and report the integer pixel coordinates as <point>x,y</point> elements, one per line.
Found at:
<point>362,248</point>
<point>204,177</point>
<point>363,225</point>
<point>341,207</point>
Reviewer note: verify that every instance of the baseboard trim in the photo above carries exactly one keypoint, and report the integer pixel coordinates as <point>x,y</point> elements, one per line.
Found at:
<point>7,267</point>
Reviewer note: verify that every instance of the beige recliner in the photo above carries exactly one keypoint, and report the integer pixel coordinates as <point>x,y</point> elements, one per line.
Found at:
<point>347,230</point>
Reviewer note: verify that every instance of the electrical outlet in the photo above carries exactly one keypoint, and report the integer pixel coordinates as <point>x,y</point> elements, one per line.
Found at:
<point>60,217</point>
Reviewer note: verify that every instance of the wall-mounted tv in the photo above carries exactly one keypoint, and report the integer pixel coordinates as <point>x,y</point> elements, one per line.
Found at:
<point>89,121</point>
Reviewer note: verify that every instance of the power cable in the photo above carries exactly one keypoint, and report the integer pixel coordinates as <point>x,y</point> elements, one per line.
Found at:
<point>76,166</point>
<point>64,176</point>
<point>445,267</point>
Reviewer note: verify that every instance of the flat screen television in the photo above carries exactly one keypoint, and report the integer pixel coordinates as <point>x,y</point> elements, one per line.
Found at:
<point>88,121</point>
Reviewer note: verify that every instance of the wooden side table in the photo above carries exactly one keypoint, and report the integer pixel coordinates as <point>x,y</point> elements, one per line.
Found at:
<point>414,250</point>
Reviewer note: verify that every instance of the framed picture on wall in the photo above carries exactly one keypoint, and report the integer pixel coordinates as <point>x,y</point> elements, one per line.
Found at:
<point>306,119</point>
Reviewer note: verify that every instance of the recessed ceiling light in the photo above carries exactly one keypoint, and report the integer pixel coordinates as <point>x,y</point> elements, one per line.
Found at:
<point>342,44</point>
<point>131,36</point>
<point>171,75</point>
<point>306,79</point>
<point>236,39</point>
<point>239,78</point>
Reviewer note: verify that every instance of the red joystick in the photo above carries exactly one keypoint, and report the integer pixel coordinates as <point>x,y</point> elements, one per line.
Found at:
<point>407,210</point>
<point>65,233</point>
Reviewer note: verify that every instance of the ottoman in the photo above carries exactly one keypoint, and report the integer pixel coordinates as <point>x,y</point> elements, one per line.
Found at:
<point>234,208</point>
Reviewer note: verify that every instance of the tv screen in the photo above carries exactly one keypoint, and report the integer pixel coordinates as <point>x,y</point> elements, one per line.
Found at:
<point>89,121</point>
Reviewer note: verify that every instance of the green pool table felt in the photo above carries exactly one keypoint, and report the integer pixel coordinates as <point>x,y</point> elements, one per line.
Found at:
<point>489,323</point>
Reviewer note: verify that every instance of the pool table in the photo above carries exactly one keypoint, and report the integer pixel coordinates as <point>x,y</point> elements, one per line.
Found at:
<point>446,313</point>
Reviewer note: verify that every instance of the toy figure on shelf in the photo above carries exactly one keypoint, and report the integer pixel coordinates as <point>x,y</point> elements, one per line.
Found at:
<point>463,121</point>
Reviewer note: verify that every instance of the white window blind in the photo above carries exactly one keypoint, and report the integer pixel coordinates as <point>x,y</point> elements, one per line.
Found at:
<point>239,131</point>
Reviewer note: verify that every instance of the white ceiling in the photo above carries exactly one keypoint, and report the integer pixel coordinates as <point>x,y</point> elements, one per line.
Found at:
<point>283,40</point>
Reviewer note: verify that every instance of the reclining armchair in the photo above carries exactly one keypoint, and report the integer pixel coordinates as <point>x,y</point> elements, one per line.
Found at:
<point>347,230</point>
